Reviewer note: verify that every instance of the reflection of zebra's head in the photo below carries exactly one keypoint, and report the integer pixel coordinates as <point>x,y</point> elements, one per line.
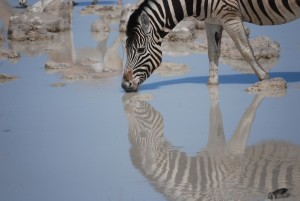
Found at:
<point>145,132</point>
<point>143,49</point>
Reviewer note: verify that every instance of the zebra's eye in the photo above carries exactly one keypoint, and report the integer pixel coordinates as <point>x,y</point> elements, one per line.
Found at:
<point>141,50</point>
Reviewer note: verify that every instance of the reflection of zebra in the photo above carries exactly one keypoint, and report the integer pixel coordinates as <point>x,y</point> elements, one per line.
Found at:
<point>155,18</point>
<point>223,171</point>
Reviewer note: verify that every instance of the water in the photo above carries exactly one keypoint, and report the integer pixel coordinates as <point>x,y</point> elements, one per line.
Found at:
<point>88,140</point>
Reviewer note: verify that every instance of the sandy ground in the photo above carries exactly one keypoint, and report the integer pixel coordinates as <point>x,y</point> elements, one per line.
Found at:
<point>69,132</point>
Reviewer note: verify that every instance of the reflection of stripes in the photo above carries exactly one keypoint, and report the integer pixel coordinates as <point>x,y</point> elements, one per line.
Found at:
<point>276,163</point>
<point>208,175</point>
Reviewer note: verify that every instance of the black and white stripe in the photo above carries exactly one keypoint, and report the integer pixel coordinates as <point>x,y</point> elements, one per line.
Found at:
<point>168,13</point>
<point>270,12</point>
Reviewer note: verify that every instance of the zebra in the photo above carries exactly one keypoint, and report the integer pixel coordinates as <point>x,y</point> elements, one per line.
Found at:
<point>23,3</point>
<point>223,170</point>
<point>154,19</point>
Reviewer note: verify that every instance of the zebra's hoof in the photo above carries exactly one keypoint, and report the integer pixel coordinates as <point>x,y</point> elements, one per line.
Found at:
<point>212,82</point>
<point>265,77</point>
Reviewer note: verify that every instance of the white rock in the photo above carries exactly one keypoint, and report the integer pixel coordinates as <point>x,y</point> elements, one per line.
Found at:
<point>56,66</point>
<point>270,87</point>
<point>99,26</point>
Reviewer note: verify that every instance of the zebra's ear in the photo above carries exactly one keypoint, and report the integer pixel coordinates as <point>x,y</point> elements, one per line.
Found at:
<point>144,19</point>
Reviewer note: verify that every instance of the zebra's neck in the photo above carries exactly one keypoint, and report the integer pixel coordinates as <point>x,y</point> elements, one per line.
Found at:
<point>168,13</point>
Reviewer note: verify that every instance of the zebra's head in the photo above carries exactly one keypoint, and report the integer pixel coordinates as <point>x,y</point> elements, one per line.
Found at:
<point>143,50</point>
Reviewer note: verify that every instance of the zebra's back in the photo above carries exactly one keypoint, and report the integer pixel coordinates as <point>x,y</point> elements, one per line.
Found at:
<point>269,12</point>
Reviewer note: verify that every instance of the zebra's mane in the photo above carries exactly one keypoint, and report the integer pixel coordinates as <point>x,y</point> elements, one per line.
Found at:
<point>133,19</point>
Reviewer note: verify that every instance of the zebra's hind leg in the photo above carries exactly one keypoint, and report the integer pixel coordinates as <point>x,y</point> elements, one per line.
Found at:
<point>214,35</point>
<point>235,29</point>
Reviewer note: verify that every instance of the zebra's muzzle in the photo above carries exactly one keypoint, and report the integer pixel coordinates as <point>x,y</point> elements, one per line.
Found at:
<point>129,86</point>
<point>128,83</point>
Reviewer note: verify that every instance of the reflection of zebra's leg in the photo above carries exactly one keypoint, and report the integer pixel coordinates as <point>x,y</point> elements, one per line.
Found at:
<point>214,35</point>
<point>235,29</point>
<point>102,47</point>
<point>216,139</point>
<point>237,143</point>
<point>112,59</point>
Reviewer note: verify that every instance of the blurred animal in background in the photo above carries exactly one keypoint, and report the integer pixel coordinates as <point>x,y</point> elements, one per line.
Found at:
<point>279,193</point>
<point>23,3</point>
<point>94,2</point>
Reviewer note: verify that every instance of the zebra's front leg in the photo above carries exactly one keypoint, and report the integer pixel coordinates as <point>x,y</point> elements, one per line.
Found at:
<point>214,35</point>
<point>235,29</point>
